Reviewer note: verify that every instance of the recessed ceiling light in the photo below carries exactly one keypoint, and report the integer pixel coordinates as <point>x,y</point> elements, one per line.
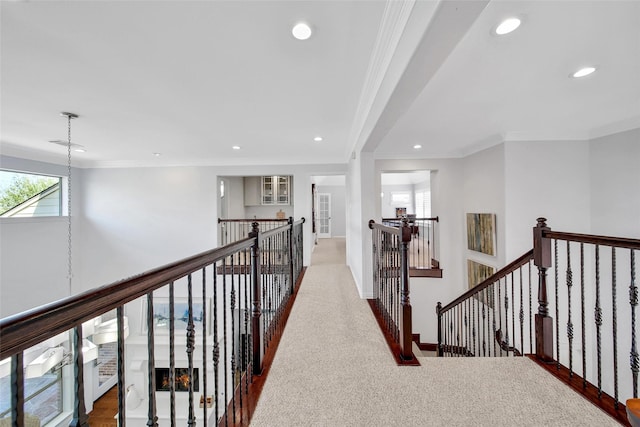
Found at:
<point>80,150</point>
<point>417,146</point>
<point>507,26</point>
<point>301,31</point>
<point>236,147</point>
<point>317,139</point>
<point>157,154</point>
<point>582,72</point>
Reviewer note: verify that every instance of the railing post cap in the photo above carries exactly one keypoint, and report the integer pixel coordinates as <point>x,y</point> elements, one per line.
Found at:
<point>542,222</point>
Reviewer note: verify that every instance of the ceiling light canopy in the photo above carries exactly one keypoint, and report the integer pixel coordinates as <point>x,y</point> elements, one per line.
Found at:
<point>507,26</point>
<point>236,147</point>
<point>417,146</point>
<point>317,139</point>
<point>582,72</point>
<point>301,31</point>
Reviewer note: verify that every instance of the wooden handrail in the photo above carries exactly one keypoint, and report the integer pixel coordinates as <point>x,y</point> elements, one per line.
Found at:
<point>273,231</point>
<point>384,228</point>
<point>619,242</point>
<point>434,219</point>
<point>23,330</point>
<point>251,220</point>
<point>522,260</point>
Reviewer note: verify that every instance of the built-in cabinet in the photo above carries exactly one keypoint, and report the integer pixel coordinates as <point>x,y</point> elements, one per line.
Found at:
<point>267,190</point>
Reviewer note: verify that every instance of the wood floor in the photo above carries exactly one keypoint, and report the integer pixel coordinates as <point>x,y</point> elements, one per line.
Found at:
<point>105,409</point>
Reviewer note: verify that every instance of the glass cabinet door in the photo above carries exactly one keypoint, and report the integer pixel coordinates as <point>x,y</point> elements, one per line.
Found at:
<point>283,190</point>
<point>267,190</point>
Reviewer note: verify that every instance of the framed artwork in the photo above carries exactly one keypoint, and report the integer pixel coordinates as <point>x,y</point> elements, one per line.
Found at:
<point>400,212</point>
<point>481,233</point>
<point>180,315</point>
<point>476,274</point>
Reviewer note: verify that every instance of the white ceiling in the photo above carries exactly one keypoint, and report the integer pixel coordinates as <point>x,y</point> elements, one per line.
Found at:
<point>190,79</point>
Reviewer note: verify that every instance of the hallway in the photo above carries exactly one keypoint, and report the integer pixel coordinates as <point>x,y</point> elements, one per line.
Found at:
<point>333,368</point>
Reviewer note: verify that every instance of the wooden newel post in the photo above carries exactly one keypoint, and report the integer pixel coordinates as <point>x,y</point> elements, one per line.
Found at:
<point>256,309</point>
<point>544,323</point>
<point>406,333</point>
<point>439,312</point>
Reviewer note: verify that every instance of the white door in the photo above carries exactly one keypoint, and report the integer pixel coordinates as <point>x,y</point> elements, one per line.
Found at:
<point>324,215</point>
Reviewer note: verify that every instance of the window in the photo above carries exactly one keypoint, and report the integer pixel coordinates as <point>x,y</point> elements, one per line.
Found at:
<point>400,198</point>
<point>29,195</point>
<point>423,204</point>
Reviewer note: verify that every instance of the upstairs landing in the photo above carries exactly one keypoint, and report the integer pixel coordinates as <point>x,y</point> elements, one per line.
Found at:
<point>333,368</point>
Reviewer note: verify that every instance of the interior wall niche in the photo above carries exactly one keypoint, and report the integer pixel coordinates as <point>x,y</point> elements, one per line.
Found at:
<point>405,193</point>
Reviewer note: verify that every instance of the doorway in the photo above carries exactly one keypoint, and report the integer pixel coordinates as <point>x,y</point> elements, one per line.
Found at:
<point>324,215</point>
<point>329,212</point>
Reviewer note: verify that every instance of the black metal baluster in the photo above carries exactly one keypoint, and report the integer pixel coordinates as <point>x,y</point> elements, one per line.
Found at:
<point>204,344</point>
<point>17,390</point>
<point>521,314</point>
<point>191,338</point>
<point>216,347</point>
<point>172,354</point>
<point>152,418</point>
<point>582,319</point>
<point>569,278</point>
<point>246,320</point>
<point>445,333</point>
<point>386,278</point>
<point>121,371</point>
<point>232,308</point>
<point>556,268</point>
<point>473,316</point>
<point>224,343</point>
<point>456,328</point>
<point>530,312</point>
<point>239,355</point>
<point>513,313</point>
<point>598,319</point>
<point>494,305</point>
<point>451,332</point>
<point>615,326</point>
<point>80,418</point>
<point>633,300</point>
<point>499,306</point>
<point>506,314</point>
<point>466,327</point>
<point>484,324</point>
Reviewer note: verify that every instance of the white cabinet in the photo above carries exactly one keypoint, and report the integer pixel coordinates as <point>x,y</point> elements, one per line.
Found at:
<point>267,190</point>
<point>275,190</point>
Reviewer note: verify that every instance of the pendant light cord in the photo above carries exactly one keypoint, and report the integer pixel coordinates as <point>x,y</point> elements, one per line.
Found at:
<point>69,257</point>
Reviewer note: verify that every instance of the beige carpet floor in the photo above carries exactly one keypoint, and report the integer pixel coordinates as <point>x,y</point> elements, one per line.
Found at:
<point>333,368</point>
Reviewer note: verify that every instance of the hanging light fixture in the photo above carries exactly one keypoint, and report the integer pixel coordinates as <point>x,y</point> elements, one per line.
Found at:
<point>69,116</point>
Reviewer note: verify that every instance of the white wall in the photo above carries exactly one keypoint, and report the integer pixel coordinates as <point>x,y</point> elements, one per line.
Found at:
<point>33,251</point>
<point>545,179</point>
<point>138,219</point>
<point>484,192</point>
<point>615,184</point>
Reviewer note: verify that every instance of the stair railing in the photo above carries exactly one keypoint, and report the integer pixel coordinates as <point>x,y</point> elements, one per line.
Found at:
<point>231,230</point>
<point>583,335</point>
<point>236,309</point>
<point>422,248</point>
<point>391,300</point>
